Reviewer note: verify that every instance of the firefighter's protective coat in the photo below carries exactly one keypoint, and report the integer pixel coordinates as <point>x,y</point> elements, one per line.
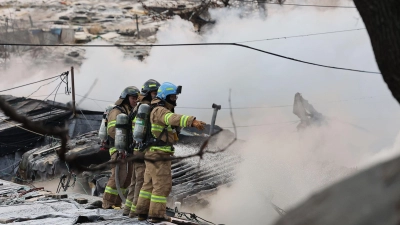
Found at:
<point>111,197</point>
<point>158,179</point>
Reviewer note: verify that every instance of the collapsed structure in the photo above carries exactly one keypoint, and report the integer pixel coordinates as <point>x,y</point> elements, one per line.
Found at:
<point>15,140</point>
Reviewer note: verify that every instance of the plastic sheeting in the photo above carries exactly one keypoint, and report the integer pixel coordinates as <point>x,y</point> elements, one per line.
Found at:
<point>19,210</point>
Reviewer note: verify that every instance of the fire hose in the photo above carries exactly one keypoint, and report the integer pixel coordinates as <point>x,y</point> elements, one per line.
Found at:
<point>117,183</point>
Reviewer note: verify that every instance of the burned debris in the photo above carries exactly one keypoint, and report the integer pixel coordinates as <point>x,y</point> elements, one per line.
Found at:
<point>307,114</point>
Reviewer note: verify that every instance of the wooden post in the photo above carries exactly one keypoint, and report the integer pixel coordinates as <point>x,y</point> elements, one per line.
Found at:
<point>137,26</point>
<point>30,20</point>
<point>73,91</point>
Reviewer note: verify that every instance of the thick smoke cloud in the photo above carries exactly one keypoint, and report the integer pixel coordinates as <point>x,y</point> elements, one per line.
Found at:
<point>277,160</point>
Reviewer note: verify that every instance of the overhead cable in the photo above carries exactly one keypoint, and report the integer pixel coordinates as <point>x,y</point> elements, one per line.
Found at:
<point>65,73</point>
<point>266,124</point>
<point>290,4</point>
<point>249,107</point>
<point>19,126</point>
<point>201,44</point>
<point>100,100</point>
<point>303,35</point>
<point>295,4</point>
<point>41,87</point>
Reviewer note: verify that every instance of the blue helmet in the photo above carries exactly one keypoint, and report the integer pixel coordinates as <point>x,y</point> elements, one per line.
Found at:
<point>168,89</point>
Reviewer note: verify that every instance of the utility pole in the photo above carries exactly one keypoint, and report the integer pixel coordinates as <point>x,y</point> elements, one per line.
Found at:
<point>137,26</point>
<point>216,108</point>
<point>73,91</point>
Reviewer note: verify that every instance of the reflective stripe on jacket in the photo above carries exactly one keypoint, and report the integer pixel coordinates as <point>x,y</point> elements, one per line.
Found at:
<point>161,118</point>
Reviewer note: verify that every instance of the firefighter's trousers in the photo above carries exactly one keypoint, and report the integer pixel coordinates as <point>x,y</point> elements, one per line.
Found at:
<point>111,197</point>
<point>156,187</point>
<point>135,186</point>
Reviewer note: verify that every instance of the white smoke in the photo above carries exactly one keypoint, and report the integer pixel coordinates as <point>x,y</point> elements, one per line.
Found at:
<point>277,161</point>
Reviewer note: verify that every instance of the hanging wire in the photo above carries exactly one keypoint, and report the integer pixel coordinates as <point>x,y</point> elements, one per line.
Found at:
<point>201,44</point>
<point>33,82</point>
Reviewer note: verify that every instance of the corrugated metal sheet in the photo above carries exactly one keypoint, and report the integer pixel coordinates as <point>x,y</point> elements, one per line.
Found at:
<point>13,138</point>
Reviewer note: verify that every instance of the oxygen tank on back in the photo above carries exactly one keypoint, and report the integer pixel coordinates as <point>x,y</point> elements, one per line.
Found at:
<point>103,129</point>
<point>103,126</point>
<point>139,132</point>
<point>121,132</point>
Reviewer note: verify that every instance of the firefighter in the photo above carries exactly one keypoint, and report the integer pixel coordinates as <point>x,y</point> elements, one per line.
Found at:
<point>157,178</point>
<point>126,102</point>
<point>148,92</point>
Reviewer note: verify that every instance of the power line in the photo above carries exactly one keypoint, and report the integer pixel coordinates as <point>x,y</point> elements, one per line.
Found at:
<point>86,120</point>
<point>293,4</point>
<point>41,87</point>
<point>304,5</point>
<point>36,96</point>
<point>100,100</point>
<point>303,35</point>
<point>41,102</point>
<point>19,126</point>
<point>250,107</point>
<point>301,61</point>
<point>12,165</point>
<point>284,106</point>
<point>35,81</point>
<point>266,124</point>
<point>200,44</point>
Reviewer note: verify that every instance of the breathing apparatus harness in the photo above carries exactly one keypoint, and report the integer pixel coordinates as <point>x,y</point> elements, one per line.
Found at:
<point>149,140</point>
<point>123,136</point>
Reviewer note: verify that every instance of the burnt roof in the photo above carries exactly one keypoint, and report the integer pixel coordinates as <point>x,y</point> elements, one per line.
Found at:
<point>13,138</point>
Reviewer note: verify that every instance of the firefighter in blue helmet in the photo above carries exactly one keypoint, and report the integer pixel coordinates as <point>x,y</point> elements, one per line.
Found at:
<point>157,178</point>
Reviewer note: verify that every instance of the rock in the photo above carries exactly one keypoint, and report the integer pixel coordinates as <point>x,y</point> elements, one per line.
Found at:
<point>80,19</point>
<point>106,20</point>
<point>95,205</point>
<point>73,54</point>
<point>60,22</point>
<point>109,36</point>
<point>81,200</point>
<point>147,32</point>
<point>101,8</point>
<point>128,7</point>
<point>81,142</point>
<point>57,196</point>
<point>63,18</point>
<point>91,13</point>
<point>80,11</point>
<point>127,32</point>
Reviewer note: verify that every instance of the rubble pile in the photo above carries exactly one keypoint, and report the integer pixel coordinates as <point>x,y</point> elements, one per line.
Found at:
<point>66,22</point>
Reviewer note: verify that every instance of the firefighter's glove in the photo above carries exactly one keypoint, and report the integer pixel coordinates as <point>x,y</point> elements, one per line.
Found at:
<point>198,124</point>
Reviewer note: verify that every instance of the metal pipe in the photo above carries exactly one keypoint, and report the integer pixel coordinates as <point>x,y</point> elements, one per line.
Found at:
<point>214,117</point>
